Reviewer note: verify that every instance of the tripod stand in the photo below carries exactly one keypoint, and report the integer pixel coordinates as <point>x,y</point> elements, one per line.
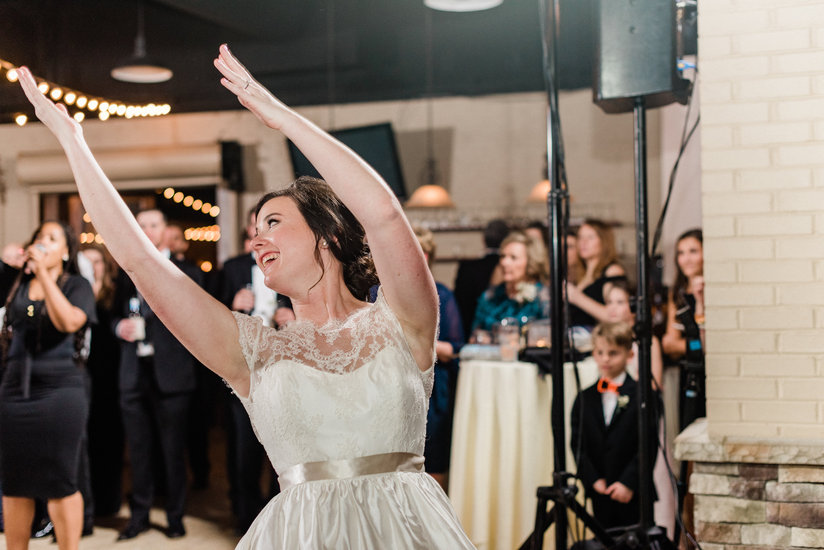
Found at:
<point>645,534</point>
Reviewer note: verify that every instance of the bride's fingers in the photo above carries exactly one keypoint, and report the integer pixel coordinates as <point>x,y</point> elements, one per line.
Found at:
<point>235,66</point>
<point>230,75</point>
<point>62,108</point>
<point>231,60</point>
<point>231,86</point>
<point>27,83</point>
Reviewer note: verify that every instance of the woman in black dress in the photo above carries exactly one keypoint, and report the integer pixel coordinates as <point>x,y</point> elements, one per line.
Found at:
<point>598,267</point>
<point>43,402</point>
<point>105,428</point>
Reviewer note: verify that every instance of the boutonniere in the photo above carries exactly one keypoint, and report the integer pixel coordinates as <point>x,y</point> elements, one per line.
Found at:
<point>526,292</point>
<point>623,401</point>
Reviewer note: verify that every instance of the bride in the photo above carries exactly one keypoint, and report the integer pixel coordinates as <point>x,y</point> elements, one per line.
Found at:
<point>338,397</point>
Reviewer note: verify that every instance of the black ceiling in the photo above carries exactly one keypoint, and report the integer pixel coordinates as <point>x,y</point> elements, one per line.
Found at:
<point>378,48</point>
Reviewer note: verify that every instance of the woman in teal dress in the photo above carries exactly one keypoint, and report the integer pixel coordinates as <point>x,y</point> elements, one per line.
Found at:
<point>522,295</point>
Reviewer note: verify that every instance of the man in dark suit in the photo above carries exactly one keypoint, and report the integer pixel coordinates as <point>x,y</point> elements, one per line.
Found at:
<point>474,276</point>
<point>605,426</point>
<point>242,289</point>
<point>156,384</point>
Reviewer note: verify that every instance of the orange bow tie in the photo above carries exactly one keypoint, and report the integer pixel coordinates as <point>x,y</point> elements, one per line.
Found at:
<point>606,385</point>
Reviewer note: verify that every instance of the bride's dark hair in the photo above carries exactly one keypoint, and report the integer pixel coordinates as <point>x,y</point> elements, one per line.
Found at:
<point>330,220</point>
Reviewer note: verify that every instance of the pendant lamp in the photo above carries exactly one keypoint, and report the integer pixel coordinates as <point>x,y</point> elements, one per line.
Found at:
<point>462,5</point>
<point>139,68</point>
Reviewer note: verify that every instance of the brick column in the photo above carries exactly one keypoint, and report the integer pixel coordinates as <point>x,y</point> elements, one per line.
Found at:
<point>759,456</point>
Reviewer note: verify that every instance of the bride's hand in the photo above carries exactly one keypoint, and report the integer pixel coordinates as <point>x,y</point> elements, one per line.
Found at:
<point>54,116</point>
<point>250,93</point>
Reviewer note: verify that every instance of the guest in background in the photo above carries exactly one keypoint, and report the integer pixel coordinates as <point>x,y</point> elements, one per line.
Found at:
<point>13,255</point>
<point>538,231</point>
<point>521,294</point>
<point>619,311</point>
<point>684,338</point>
<point>599,266</point>
<point>105,424</point>
<point>450,339</point>
<point>687,293</point>
<point>475,276</point>
<point>242,288</point>
<point>44,404</point>
<point>604,436</point>
<point>156,383</point>
<point>573,261</point>
<point>175,241</point>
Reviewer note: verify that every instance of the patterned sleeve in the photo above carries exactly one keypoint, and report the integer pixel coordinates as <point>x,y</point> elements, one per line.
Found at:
<point>249,334</point>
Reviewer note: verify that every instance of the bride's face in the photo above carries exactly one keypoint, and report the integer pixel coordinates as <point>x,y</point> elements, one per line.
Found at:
<point>284,248</point>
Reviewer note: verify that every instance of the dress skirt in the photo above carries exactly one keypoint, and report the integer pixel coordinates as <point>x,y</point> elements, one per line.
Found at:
<point>40,435</point>
<point>398,510</point>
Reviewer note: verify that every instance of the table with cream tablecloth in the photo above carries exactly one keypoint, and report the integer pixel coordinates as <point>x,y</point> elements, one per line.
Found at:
<point>502,446</point>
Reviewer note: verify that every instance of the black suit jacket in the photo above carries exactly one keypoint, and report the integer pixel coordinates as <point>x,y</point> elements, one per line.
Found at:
<point>235,275</point>
<point>173,364</point>
<point>608,452</point>
<point>470,282</point>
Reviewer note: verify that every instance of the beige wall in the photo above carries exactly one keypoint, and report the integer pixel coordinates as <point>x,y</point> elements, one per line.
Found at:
<point>762,111</point>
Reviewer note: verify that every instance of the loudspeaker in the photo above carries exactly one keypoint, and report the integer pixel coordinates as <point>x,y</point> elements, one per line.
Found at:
<point>231,165</point>
<point>635,55</point>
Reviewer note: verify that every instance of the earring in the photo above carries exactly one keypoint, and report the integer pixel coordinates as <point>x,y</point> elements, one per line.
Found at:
<point>324,244</point>
<point>65,257</point>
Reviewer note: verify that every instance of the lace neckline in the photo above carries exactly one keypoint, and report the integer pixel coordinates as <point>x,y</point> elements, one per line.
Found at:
<point>334,324</point>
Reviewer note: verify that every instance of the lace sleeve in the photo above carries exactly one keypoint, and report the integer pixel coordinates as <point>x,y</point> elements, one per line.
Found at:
<point>249,329</point>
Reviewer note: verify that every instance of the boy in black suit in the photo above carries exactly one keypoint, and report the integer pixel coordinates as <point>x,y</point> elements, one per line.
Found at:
<point>605,425</point>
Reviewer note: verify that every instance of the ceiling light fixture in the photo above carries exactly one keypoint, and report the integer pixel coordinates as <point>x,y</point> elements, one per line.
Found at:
<point>462,5</point>
<point>430,194</point>
<point>140,69</point>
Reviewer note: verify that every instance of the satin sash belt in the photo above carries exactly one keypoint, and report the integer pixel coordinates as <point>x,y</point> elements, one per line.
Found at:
<point>352,467</point>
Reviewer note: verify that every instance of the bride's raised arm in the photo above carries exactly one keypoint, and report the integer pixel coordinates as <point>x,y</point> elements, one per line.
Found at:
<point>200,322</point>
<point>405,278</point>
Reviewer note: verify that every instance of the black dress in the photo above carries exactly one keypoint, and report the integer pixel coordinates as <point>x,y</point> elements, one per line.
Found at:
<point>43,399</point>
<point>595,290</point>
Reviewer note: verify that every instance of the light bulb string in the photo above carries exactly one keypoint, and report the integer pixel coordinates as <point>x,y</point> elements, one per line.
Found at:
<point>82,103</point>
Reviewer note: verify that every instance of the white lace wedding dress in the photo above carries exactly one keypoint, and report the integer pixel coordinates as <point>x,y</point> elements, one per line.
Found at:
<point>320,400</point>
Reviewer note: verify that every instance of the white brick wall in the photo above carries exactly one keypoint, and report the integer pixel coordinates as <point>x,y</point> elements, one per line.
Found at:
<point>762,112</point>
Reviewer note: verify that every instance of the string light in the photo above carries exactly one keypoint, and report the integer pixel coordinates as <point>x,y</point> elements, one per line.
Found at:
<point>91,238</point>
<point>206,266</point>
<point>208,233</point>
<point>21,119</point>
<point>170,193</point>
<point>83,101</point>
